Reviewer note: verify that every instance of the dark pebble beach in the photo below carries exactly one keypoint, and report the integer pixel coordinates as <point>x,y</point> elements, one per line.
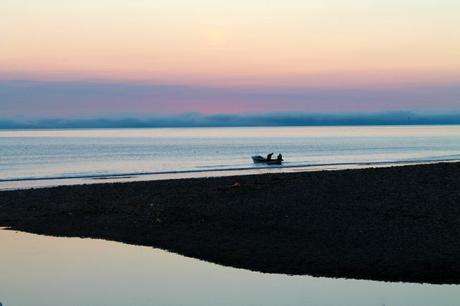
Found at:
<point>390,224</point>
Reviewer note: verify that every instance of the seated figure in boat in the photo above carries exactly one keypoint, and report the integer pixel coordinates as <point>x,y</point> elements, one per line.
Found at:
<point>280,157</point>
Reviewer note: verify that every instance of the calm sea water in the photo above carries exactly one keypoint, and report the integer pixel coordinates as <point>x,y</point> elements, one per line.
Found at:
<point>49,271</point>
<point>39,270</point>
<point>54,157</point>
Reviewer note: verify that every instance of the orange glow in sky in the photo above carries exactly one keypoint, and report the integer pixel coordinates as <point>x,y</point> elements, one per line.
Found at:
<point>213,42</point>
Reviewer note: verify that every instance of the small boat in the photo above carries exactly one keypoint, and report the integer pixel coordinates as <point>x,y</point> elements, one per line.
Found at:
<point>257,159</point>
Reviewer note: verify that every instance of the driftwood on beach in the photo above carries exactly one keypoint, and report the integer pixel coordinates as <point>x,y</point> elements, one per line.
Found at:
<point>392,224</point>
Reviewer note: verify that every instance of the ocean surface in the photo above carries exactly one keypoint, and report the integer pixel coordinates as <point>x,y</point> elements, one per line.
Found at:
<point>47,271</point>
<point>39,158</point>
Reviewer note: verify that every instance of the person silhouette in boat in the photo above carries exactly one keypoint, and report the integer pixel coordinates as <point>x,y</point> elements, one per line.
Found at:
<point>279,158</point>
<point>269,156</point>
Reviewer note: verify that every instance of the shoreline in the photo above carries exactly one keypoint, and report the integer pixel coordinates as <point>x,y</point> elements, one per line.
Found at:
<point>392,224</point>
<point>301,167</point>
<point>25,183</point>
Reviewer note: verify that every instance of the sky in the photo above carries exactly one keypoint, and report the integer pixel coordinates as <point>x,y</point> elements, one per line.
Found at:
<point>62,58</point>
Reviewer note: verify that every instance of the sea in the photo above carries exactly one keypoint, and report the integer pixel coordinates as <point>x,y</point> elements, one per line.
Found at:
<point>44,158</point>
<point>58,271</point>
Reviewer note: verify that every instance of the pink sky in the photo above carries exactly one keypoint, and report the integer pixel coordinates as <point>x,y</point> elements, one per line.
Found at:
<point>224,51</point>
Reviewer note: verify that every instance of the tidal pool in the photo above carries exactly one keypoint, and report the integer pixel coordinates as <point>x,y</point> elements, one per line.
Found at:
<point>47,271</point>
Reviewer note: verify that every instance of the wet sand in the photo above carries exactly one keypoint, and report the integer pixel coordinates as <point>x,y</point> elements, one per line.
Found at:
<point>392,224</point>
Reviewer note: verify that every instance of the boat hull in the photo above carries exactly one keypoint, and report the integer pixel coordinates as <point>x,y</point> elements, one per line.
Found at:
<point>261,160</point>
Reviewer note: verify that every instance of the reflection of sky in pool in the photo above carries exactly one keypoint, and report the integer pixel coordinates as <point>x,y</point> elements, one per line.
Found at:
<point>47,271</point>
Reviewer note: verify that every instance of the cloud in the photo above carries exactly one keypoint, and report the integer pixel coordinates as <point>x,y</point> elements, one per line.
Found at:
<point>233,120</point>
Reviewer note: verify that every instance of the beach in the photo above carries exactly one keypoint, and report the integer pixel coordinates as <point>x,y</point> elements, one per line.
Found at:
<point>391,224</point>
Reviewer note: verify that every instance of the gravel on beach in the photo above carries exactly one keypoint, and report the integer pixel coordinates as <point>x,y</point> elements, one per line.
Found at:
<point>391,224</point>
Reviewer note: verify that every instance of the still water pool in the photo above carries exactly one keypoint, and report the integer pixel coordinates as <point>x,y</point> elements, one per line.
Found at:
<point>50,271</point>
